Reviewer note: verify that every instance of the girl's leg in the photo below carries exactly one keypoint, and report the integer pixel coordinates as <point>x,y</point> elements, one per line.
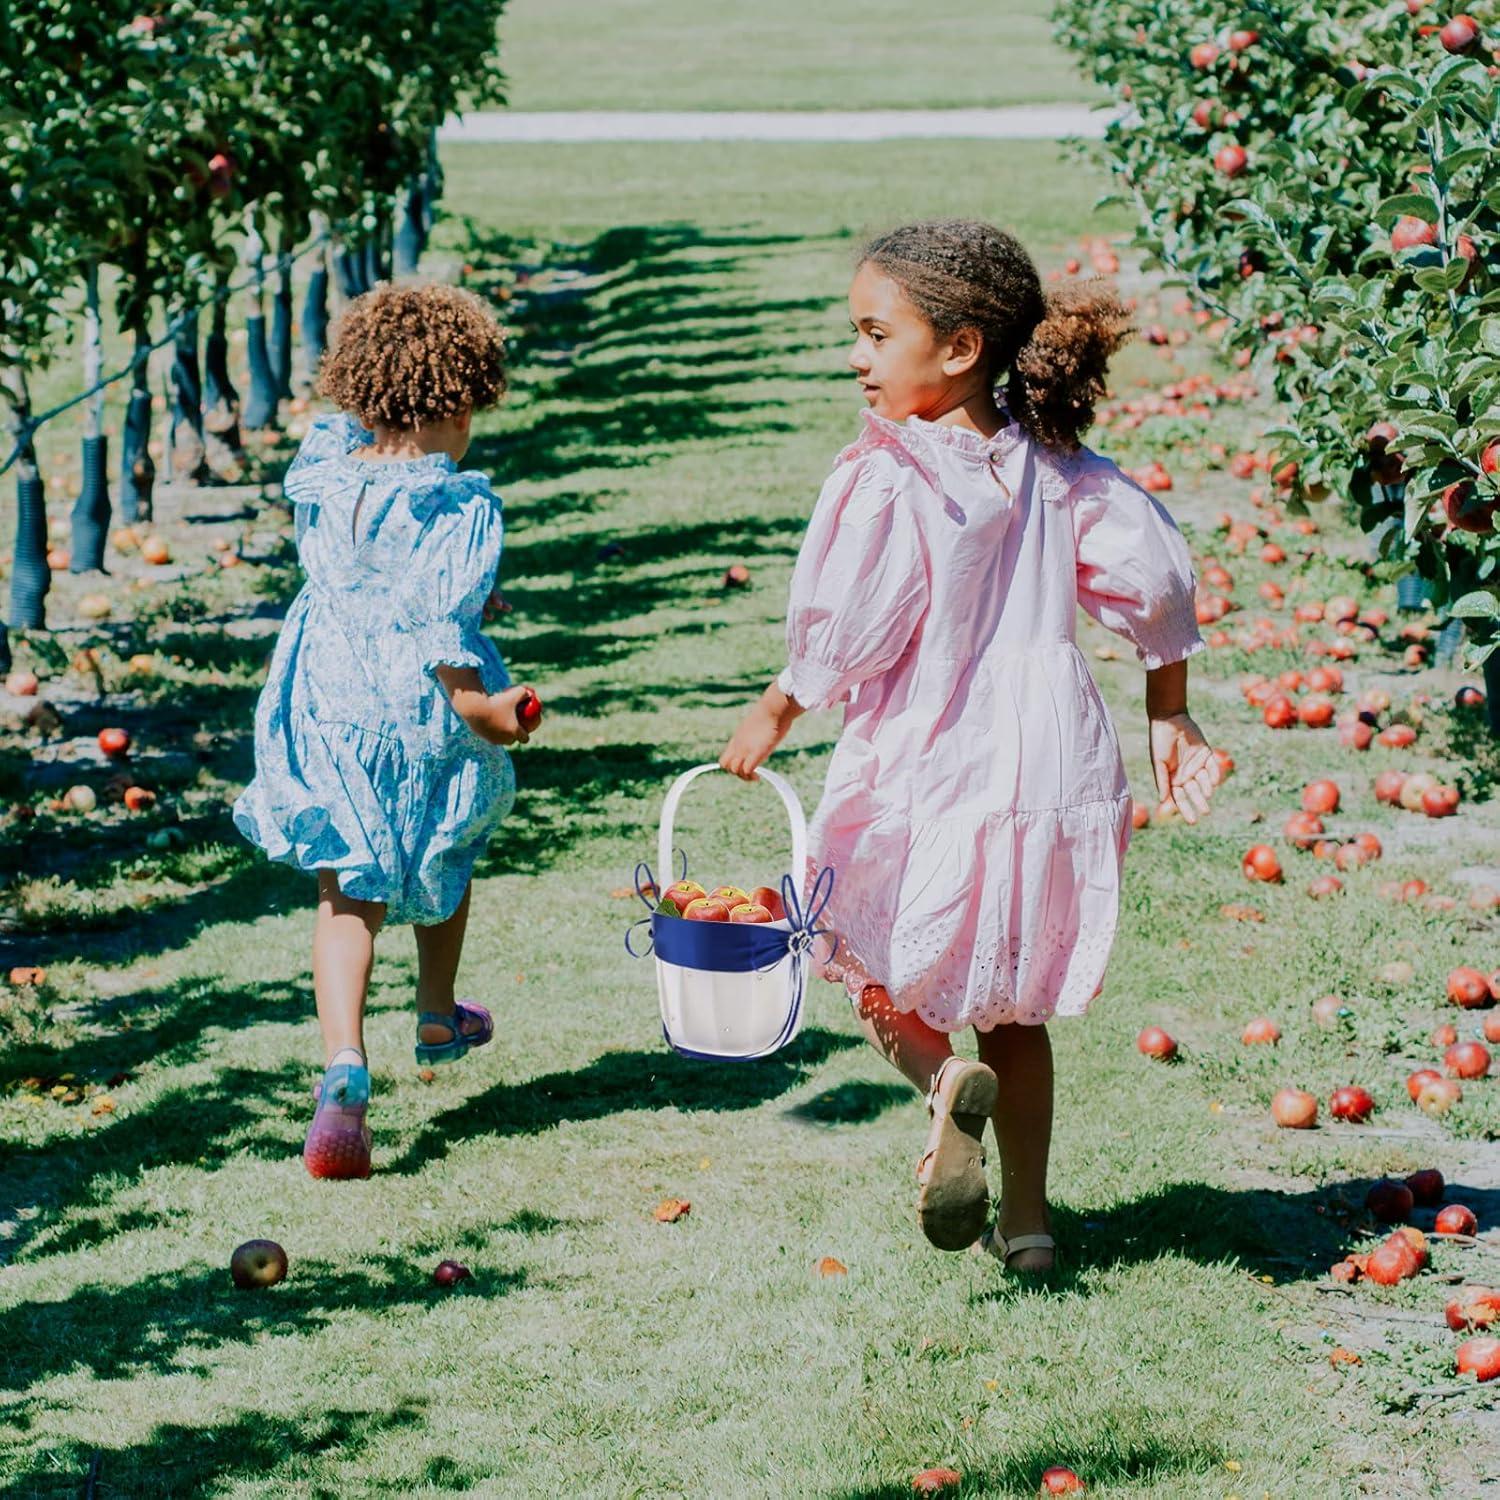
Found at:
<point>439,948</point>
<point>906,1040</point>
<point>1021,1058</point>
<point>343,955</point>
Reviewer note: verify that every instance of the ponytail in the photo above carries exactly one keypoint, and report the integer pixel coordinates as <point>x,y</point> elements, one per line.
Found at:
<point>1058,374</point>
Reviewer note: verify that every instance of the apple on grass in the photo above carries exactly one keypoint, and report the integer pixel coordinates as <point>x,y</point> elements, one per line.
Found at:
<point>1456,1218</point>
<point>1390,1201</point>
<point>257,1263</point>
<point>1438,1097</point>
<point>1260,863</point>
<point>1479,1357</point>
<point>1472,1307</point>
<point>1467,1060</point>
<point>1426,1187</point>
<point>1262,1030</point>
<point>1468,988</point>
<point>1351,1103</point>
<point>450,1273</point>
<point>1155,1042</point>
<point>1060,1480</point>
<point>1417,1081</point>
<point>114,741</point>
<point>1294,1109</point>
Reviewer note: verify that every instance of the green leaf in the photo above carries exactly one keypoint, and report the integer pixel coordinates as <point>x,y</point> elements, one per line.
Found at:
<point>1407,205</point>
<point>1480,605</point>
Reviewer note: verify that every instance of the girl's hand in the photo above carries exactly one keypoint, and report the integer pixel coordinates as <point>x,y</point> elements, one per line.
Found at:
<point>495,605</point>
<point>1184,765</point>
<point>494,717</point>
<point>505,716</point>
<point>762,729</point>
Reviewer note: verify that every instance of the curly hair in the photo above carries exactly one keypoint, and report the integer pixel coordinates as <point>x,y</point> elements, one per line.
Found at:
<point>405,355</point>
<point>1054,348</point>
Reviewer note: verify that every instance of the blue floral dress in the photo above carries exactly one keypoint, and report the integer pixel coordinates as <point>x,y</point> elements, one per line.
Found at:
<point>362,765</point>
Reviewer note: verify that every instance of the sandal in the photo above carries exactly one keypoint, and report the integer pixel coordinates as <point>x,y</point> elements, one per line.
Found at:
<point>459,1041</point>
<point>338,1140</point>
<point>992,1242</point>
<point>955,1197</point>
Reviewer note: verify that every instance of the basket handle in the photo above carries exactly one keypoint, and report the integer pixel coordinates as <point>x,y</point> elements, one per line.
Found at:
<point>783,790</point>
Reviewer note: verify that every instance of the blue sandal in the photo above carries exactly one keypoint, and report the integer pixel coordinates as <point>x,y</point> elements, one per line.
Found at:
<point>459,1040</point>
<point>338,1140</point>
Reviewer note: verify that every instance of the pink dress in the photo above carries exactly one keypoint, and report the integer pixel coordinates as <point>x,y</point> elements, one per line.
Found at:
<point>976,812</point>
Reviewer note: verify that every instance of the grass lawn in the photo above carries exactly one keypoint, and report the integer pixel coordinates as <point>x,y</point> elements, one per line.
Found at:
<point>679,396</point>
<point>878,54</point>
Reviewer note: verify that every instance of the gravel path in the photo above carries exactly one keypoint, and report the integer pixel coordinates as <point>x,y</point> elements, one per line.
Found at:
<point>1030,122</point>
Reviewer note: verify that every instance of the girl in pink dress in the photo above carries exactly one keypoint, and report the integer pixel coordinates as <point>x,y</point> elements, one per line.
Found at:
<point>976,812</point>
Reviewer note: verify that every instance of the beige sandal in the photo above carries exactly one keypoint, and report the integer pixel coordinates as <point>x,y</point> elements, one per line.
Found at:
<point>955,1197</point>
<point>992,1242</point>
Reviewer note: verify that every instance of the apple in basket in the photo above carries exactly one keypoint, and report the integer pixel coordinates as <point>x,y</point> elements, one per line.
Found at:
<point>764,896</point>
<point>750,911</point>
<point>706,910</point>
<point>683,894</point>
<point>731,895</point>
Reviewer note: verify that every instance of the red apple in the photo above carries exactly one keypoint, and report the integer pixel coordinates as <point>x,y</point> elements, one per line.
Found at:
<point>1320,797</point>
<point>1388,787</point>
<point>1444,1035</point>
<point>764,896</point>
<point>1426,1187</point>
<point>1468,696</point>
<point>1261,1030</point>
<point>1410,232</point>
<point>114,741</point>
<point>1324,885</point>
<point>1472,1307</point>
<point>257,1263</point>
<point>1438,1097</point>
<point>1414,788</point>
<point>138,798</point>
<point>1459,34</point>
<point>684,893</point>
<point>1294,1109</point>
<point>1204,55</point>
<point>1231,160</point>
<point>731,895</point>
<point>1479,1357</point>
<point>1243,41</point>
<point>704,910</point>
<point>1154,1042</point>
<point>1465,511</point>
<point>737,576</point>
<point>1390,1201</point>
<point>1394,1261</point>
<point>1059,1480</point>
<point>1302,829</point>
<point>22,684</point>
<point>1280,713</point>
<point>1140,815</point>
<point>1328,1011</point>
<point>1355,734</point>
<point>1260,863</point>
<point>1492,1026</point>
<point>529,711</point>
<point>1467,1060</point>
<point>750,911</point>
<point>936,1481</point>
<point>1316,711</point>
<point>1351,1103</point>
<point>1456,1218</point>
<point>1468,988</point>
<point>1417,1081</point>
<point>450,1273</point>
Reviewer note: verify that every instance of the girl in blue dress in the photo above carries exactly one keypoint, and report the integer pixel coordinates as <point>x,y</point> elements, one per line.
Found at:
<point>379,759</point>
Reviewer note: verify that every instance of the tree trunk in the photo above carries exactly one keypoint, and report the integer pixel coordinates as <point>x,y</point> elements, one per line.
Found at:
<point>137,469</point>
<point>260,405</point>
<point>221,402</point>
<point>90,515</point>
<point>315,321</point>
<point>281,325</point>
<point>188,446</point>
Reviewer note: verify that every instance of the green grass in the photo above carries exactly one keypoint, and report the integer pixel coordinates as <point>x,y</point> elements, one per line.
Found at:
<point>681,396</point>
<point>880,54</point>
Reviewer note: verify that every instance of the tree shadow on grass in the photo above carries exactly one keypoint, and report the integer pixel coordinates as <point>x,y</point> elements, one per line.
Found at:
<point>1106,1461</point>
<point>620,1083</point>
<point>168,1322</point>
<point>177,1460</point>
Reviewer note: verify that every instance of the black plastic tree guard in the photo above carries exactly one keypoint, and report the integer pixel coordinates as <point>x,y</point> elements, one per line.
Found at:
<point>1492,690</point>
<point>90,514</point>
<point>281,335</point>
<point>1413,593</point>
<point>187,400</point>
<point>411,234</point>
<point>137,468</point>
<point>260,405</point>
<point>349,268</point>
<point>315,319</point>
<point>30,577</point>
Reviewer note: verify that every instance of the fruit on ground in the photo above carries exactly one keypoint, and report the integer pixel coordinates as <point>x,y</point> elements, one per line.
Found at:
<point>1467,1060</point>
<point>1399,737</point>
<point>1316,711</point>
<point>749,911</point>
<point>1154,1042</point>
<point>1294,1109</point>
<point>1204,55</point>
<point>936,1481</point>
<point>138,798</point>
<point>1438,1097</point>
<point>1351,1103</point>
<point>1140,815</point>
<point>1414,788</point>
<point>114,741</point>
<point>1444,1035</point>
<point>1396,1260</point>
<point>1426,1187</point>
<point>1473,1307</point>
<point>450,1273</point>
<point>1355,734</point>
<point>1059,1480</point>
<point>155,551</point>
<point>1416,1082</point>
<point>1492,1027</point>
<point>1324,886</point>
<point>1327,1011</point>
<point>704,910</point>
<point>737,576</point>
<point>1468,988</point>
<point>1260,863</point>
<point>1440,801</point>
<point>1302,830</point>
<point>22,684</point>
<point>684,893</point>
<point>1279,713</point>
<point>1260,1031</point>
<point>1388,787</point>
<point>1479,1357</point>
<point>1390,1201</point>
<point>764,896</point>
<point>1320,797</point>
<point>257,1263</point>
<point>80,799</point>
<point>1456,1218</point>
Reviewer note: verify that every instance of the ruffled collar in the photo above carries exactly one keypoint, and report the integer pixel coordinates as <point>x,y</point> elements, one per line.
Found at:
<point>915,431</point>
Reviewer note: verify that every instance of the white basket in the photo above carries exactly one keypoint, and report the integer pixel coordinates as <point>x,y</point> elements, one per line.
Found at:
<point>732,998</point>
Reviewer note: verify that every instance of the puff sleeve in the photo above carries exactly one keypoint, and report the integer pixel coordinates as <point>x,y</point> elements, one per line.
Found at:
<point>1134,573</point>
<point>859,589</point>
<point>453,568</point>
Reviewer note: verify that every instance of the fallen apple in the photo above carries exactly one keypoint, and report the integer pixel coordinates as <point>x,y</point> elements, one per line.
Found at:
<point>1294,1109</point>
<point>1443,1035</point>
<point>1329,1010</point>
<point>80,799</point>
<point>450,1273</point>
<point>936,1481</point>
<point>1426,1187</point>
<point>1478,1357</point>
<point>1059,1480</point>
<point>1324,886</point>
<point>1320,797</point>
<point>1468,988</point>
<point>1398,737</point>
<point>1260,1031</point>
<point>1467,1060</point>
<point>1154,1042</point>
<point>737,576</point>
<point>1388,787</point>
<point>1390,1201</point>
<point>1438,1097</point>
<point>1417,1081</point>
<point>1351,1103</point>
<point>114,741</point>
<point>257,1263</point>
<point>1440,801</point>
<point>1302,829</point>
<point>1456,1218</point>
<point>138,798</point>
<point>1260,863</point>
<point>22,684</point>
<point>1472,1307</point>
<point>1393,1262</point>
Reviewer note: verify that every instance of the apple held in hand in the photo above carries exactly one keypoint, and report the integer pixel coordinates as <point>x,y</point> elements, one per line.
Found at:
<point>529,711</point>
<point>257,1263</point>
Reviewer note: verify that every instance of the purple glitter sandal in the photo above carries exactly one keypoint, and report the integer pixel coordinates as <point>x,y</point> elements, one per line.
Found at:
<point>459,1040</point>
